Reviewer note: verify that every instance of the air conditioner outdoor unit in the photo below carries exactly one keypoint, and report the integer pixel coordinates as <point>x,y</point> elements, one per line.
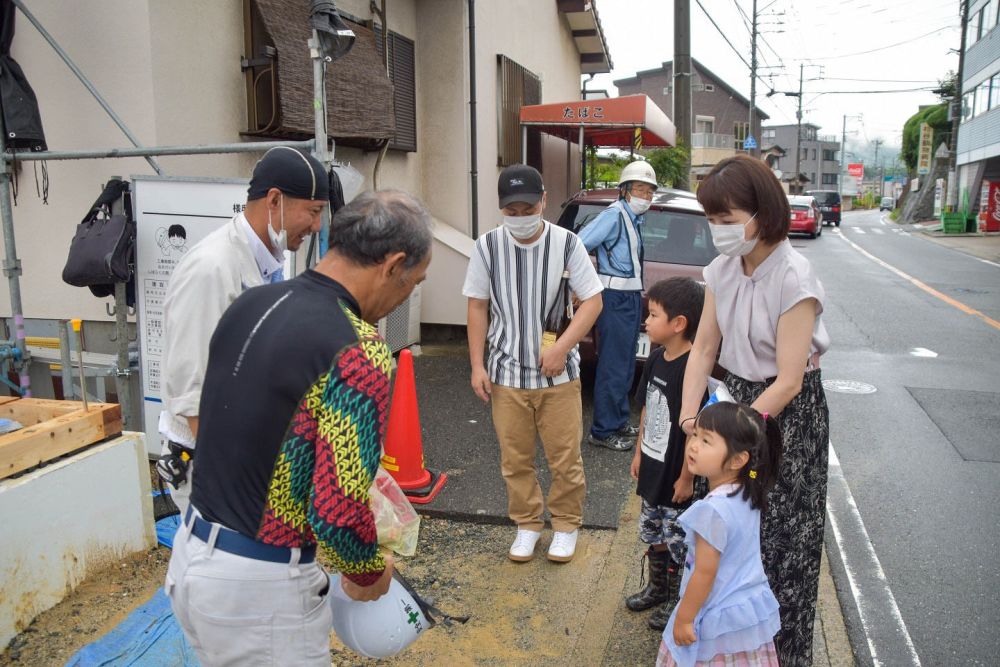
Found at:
<point>401,327</point>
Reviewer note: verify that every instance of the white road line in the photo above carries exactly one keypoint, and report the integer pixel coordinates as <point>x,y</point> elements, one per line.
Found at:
<point>843,515</point>
<point>882,221</point>
<point>923,352</point>
<point>858,230</point>
<point>986,261</point>
<point>878,231</point>
<point>908,234</point>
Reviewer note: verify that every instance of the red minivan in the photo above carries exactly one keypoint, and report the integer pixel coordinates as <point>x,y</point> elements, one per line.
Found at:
<point>675,235</point>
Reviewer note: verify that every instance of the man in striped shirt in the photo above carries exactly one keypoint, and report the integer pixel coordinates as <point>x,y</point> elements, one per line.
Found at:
<point>512,282</point>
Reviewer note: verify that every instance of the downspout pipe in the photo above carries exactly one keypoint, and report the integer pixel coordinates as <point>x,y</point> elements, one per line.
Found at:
<point>473,144</point>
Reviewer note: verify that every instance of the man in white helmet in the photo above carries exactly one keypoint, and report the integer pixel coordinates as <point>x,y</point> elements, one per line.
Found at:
<point>616,235</point>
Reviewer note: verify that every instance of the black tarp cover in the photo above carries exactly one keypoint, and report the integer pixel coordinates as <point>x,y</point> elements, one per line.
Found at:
<point>22,122</point>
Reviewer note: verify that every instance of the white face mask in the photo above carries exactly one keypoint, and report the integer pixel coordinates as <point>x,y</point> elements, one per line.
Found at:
<point>731,239</point>
<point>522,226</point>
<point>639,206</point>
<point>279,240</point>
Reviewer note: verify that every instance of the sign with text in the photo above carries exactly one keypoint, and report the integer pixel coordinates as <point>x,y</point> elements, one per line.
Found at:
<point>857,170</point>
<point>171,217</point>
<point>925,151</point>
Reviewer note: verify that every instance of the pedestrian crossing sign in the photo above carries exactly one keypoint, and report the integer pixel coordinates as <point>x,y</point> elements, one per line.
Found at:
<point>749,143</point>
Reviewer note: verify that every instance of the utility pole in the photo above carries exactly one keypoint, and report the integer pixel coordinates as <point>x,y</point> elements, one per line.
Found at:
<point>755,152</point>
<point>843,152</point>
<point>682,83</point>
<point>798,133</point>
<point>878,142</point>
<point>951,199</point>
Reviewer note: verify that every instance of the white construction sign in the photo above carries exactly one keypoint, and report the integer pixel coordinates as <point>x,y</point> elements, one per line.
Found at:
<point>172,215</point>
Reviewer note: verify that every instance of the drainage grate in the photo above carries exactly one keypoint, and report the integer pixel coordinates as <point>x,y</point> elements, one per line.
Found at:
<point>849,387</point>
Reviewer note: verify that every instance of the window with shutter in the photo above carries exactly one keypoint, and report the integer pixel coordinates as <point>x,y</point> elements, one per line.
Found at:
<point>402,74</point>
<point>517,87</point>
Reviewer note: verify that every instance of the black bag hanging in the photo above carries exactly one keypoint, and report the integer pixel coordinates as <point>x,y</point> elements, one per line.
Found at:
<point>103,248</point>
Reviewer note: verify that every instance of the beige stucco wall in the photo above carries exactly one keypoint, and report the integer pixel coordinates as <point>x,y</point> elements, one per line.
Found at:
<point>171,72</point>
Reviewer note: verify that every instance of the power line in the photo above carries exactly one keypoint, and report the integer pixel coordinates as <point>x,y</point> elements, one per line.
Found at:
<point>873,92</point>
<point>881,48</point>
<point>832,78</point>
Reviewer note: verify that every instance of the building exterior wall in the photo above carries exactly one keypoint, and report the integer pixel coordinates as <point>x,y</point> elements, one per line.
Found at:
<point>726,109</point>
<point>171,72</point>
<point>979,136</point>
<point>812,163</point>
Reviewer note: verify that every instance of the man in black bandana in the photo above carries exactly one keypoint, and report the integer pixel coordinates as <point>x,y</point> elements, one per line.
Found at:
<point>287,194</point>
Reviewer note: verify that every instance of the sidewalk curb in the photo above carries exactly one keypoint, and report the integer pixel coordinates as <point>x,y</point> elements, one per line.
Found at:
<point>596,633</point>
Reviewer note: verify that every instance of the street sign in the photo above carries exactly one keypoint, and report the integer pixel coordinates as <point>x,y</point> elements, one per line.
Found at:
<point>857,170</point>
<point>749,143</point>
<point>925,149</point>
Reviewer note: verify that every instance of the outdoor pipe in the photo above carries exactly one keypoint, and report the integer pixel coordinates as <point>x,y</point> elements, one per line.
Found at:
<point>473,144</point>
<point>198,149</point>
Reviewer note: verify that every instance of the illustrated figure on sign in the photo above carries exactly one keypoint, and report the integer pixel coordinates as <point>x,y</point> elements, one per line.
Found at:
<point>172,239</point>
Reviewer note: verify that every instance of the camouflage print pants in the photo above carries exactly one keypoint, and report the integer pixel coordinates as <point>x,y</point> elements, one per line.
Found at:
<point>658,525</point>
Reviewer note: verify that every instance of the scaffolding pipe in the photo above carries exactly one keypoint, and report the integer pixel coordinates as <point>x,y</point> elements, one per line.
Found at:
<point>66,362</point>
<point>197,149</point>
<point>11,264</point>
<point>319,127</point>
<point>86,82</point>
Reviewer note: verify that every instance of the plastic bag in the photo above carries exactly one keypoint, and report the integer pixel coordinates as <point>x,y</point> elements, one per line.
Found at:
<point>718,393</point>
<point>396,523</point>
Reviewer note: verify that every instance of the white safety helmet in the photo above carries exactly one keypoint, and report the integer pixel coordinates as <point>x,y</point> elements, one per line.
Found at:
<point>383,627</point>
<point>640,170</point>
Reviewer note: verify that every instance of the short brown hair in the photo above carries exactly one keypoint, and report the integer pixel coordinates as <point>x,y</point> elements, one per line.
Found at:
<point>745,183</point>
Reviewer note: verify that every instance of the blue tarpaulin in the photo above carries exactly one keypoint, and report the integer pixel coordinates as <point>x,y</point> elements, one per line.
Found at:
<point>149,637</point>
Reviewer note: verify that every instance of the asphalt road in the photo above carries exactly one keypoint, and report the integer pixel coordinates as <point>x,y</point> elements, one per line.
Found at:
<point>913,502</point>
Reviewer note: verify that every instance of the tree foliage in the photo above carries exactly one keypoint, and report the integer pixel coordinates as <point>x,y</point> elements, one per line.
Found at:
<point>670,164</point>
<point>937,117</point>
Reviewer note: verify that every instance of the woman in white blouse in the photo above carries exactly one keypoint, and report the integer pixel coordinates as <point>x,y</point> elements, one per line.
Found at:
<point>763,303</point>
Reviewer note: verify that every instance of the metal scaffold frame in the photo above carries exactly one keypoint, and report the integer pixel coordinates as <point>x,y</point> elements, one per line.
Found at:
<point>15,350</point>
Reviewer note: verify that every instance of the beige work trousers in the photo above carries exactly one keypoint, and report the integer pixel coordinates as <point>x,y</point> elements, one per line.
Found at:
<point>555,414</point>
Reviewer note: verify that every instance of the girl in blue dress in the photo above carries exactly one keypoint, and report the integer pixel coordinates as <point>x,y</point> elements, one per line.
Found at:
<point>727,614</point>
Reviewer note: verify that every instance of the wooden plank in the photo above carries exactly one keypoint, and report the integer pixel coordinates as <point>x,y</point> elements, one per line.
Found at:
<point>8,399</point>
<point>30,411</point>
<point>60,435</point>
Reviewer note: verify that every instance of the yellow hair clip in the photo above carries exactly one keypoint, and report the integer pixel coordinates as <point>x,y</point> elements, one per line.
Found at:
<point>753,474</point>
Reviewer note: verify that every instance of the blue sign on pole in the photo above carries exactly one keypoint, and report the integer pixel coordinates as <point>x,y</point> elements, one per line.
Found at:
<point>749,143</point>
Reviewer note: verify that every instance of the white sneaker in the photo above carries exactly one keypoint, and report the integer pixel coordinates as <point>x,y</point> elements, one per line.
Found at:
<point>563,546</point>
<point>523,548</point>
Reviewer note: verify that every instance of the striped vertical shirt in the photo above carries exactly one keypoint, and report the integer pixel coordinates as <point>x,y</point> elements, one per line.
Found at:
<point>521,281</point>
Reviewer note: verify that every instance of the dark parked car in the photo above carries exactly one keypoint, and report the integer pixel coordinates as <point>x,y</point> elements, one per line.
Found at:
<point>829,204</point>
<point>676,239</point>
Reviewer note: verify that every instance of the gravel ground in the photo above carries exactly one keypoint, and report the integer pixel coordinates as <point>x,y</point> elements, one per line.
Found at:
<point>521,613</point>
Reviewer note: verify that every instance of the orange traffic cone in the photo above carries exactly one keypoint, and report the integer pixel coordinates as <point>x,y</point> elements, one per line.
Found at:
<point>403,454</point>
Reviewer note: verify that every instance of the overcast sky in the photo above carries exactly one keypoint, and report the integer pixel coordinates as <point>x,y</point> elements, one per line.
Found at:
<point>908,45</point>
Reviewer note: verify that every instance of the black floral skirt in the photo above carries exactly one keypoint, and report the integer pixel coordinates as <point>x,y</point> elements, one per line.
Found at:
<point>791,535</point>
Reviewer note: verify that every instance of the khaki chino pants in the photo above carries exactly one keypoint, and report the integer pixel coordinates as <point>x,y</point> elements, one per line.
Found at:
<point>556,415</point>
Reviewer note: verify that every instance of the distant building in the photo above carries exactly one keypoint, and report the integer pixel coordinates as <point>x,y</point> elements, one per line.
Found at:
<point>819,156</point>
<point>978,151</point>
<point>720,114</point>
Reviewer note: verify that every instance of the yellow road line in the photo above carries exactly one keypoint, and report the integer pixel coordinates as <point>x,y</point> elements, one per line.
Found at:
<point>925,287</point>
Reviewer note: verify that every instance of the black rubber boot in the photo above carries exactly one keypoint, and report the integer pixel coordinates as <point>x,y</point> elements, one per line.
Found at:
<point>655,591</point>
<point>658,619</point>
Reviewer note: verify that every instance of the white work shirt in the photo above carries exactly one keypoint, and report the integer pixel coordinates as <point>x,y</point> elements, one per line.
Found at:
<point>205,282</point>
<point>748,309</point>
